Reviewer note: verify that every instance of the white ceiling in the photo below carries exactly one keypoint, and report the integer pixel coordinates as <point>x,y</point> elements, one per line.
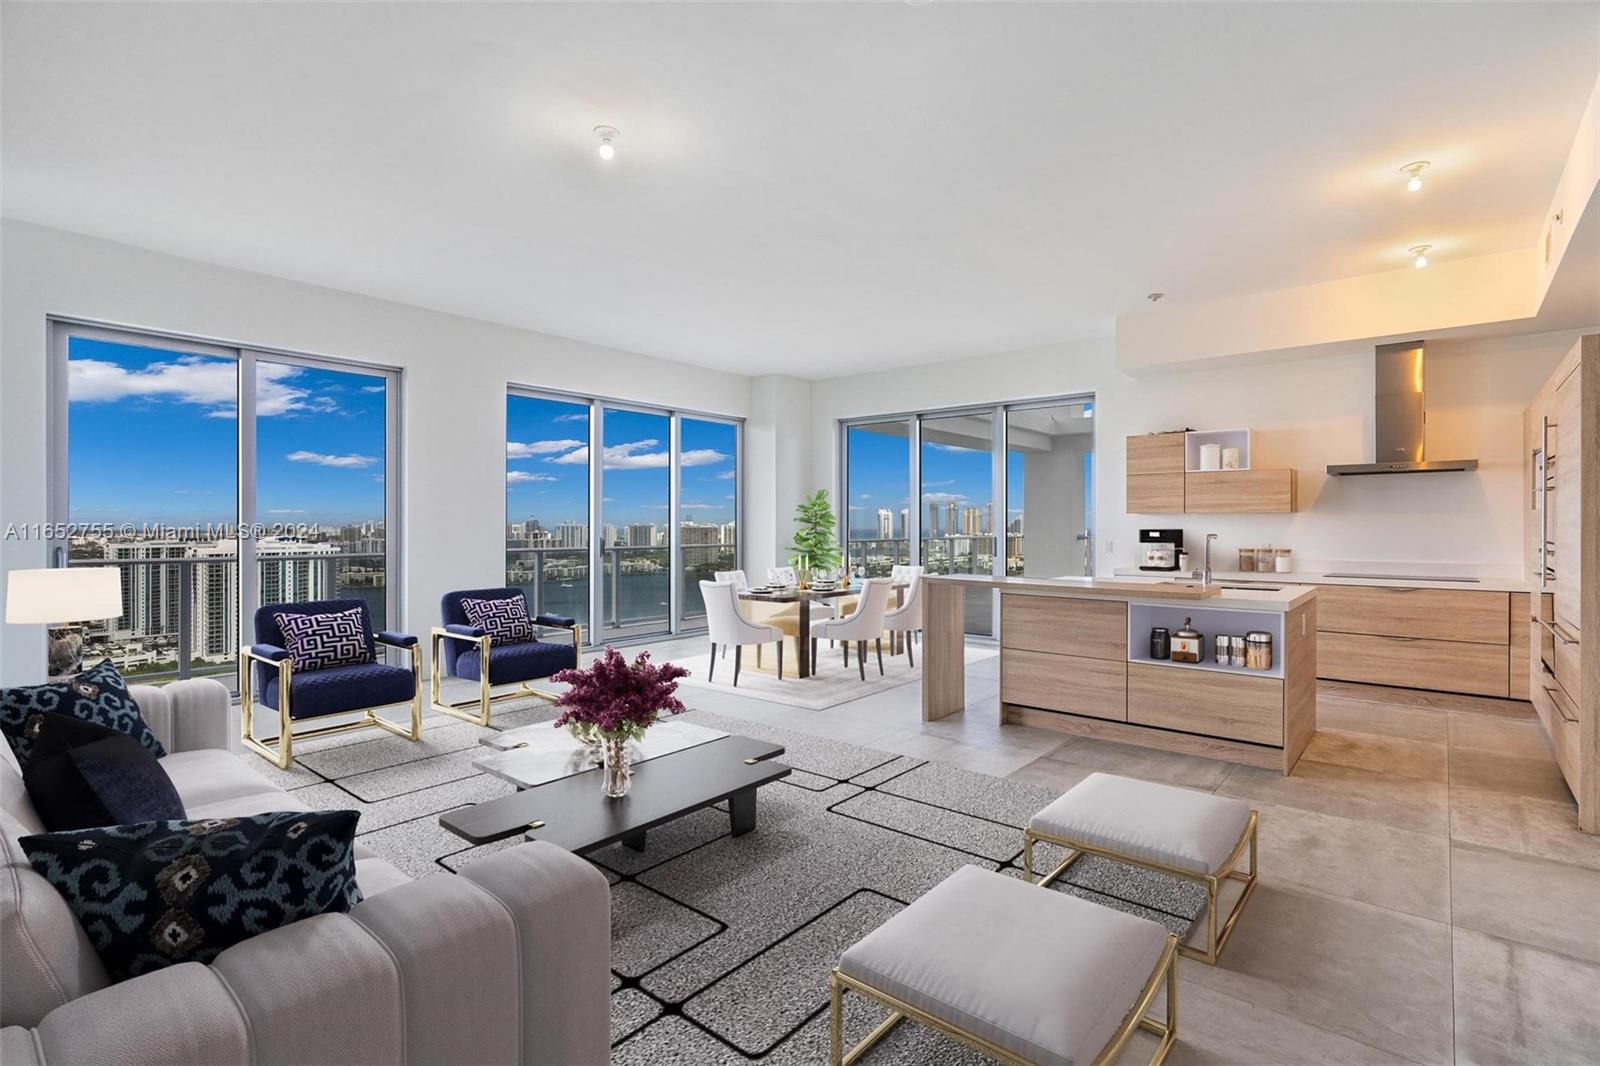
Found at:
<point>810,189</point>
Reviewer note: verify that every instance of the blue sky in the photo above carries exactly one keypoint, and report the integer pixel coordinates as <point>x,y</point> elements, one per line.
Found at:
<point>880,475</point>
<point>547,471</point>
<point>152,437</point>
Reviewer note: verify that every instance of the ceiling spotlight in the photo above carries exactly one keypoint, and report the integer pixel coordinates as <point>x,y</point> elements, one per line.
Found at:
<point>1414,172</point>
<point>1154,296</point>
<point>607,134</point>
<point>1421,253</point>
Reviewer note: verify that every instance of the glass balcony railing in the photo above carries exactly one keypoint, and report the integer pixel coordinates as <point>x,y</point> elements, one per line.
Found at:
<point>180,616</point>
<point>877,557</point>
<point>637,583</point>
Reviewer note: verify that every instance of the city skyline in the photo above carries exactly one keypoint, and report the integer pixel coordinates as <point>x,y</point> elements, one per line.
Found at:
<point>879,472</point>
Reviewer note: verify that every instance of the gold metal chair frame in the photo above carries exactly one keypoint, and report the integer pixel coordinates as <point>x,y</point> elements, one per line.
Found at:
<point>282,755</point>
<point>1212,882</point>
<point>1166,970</point>
<point>484,701</point>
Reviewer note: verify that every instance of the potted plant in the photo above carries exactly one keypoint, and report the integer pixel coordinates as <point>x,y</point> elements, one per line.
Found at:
<point>616,701</point>
<point>816,541</point>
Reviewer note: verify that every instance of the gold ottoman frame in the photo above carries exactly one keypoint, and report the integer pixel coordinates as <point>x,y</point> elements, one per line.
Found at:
<point>1166,970</point>
<point>484,701</point>
<point>1215,941</point>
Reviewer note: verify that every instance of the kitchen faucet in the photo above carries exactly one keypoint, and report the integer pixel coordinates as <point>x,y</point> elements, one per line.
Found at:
<point>1205,573</point>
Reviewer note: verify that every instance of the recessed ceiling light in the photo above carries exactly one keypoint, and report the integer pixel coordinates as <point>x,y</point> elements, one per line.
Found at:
<point>1421,253</point>
<point>1414,171</point>
<point>607,135</point>
<point>1154,296</point>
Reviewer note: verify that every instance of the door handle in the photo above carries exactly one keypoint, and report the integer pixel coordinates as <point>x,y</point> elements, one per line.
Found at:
<point>1555,631</point>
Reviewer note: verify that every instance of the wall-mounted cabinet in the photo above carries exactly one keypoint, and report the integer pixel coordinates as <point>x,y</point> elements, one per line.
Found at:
<point>1163,477</point>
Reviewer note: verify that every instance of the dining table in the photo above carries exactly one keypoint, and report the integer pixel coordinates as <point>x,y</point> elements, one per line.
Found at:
<point>805,597</point>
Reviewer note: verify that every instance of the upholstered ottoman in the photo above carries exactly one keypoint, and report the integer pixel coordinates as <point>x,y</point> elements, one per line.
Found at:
<point>1178,831</point>
<point>1021,975</point>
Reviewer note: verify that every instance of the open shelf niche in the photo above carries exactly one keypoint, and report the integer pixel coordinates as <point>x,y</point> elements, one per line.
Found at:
<point>1209,622</point>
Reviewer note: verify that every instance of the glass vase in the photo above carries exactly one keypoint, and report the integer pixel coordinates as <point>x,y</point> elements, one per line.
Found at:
<point>616,775</point>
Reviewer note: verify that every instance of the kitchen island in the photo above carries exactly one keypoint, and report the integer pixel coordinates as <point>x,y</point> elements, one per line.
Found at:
<point>1075,658</point>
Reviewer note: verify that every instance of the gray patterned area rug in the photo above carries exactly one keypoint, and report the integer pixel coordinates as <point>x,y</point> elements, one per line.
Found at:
<point>721,947</point>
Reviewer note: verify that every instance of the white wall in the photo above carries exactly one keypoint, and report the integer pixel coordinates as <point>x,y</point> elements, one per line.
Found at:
<point>777,463</point>
<point>455,372</point>
<point>1307,411</point>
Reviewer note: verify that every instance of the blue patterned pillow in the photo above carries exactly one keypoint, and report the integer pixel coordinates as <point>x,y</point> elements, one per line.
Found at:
<point>96,695</point>
<point>319,641</point>
<point>156,894</point>
<point>505,620</point>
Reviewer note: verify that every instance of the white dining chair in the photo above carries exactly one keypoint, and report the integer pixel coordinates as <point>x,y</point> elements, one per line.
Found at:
<point>782,576</point>
<point>906,618</point>
<point>740,582</point>
<point>861,625</point>
<point>728,626</point>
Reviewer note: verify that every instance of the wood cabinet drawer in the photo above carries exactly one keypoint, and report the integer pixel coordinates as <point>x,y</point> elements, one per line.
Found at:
<point>1240,492</point>
<point>1442,665</point>
<point>1070,683</point>
<point>1156,453</point>
<point>1232,706</point>
<point>1521,638</point>
<point>1093,629</point>
<point>1563,735</point>
<point>1434,614</point>
<point>1155,494</point>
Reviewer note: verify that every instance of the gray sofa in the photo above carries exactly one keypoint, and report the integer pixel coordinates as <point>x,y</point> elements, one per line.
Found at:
<point>506,962</point>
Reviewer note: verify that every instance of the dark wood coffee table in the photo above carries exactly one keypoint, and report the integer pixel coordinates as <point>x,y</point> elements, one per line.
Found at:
<point>573,813</point>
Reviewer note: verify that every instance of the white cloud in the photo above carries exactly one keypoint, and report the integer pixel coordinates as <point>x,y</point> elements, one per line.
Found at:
<point>943,497</point>
<point>700,506</point>
<point>374,388</point>
<point>637,455</point>
<point>525,449</point>
<point>959,449</point>
<point>702,457</point>
<point>576,416</point>
<point>343,462</point>
<point>285,510</point>
<point>938,484</point>
<point>210,383</point>
<point>522,477</point>
<point>726,475</point>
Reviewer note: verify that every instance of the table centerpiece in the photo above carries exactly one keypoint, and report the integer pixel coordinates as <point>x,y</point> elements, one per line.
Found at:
<point>617,701</point>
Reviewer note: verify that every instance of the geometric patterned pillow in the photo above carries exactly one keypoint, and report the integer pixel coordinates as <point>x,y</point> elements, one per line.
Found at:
<point>506,621</point>
<point>97,695</point>
<point>153,894</point>
<point>318,641</point>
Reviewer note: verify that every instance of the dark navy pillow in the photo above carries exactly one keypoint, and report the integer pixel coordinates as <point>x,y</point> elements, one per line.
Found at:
<point>82,775</point>
<point>159,893</point>
<point>96,695</point>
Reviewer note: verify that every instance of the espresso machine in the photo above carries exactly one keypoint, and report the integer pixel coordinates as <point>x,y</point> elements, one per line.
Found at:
<point>1161,548</point>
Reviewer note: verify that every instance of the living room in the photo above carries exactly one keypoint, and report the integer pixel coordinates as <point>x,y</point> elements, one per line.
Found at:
<point>364,369</point>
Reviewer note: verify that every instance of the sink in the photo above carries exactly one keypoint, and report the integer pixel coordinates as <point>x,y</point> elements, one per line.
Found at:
<point>1251,588</point>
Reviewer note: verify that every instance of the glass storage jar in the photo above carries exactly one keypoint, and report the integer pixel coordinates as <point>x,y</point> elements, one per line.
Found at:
<point>1247,559</point>
<point>1258,650</point>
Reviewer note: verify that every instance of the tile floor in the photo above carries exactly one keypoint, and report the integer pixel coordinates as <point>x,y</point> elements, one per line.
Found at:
<point>1425,896</point>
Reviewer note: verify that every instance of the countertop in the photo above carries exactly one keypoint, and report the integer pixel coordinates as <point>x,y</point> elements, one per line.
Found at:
<point>1404,577</point>
<point>1268,599</point>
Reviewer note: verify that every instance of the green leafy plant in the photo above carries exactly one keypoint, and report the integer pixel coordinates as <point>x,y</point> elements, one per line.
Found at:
<point>816,541</point>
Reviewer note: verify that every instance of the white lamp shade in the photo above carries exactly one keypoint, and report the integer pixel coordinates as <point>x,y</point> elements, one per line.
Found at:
<point>62,594</point>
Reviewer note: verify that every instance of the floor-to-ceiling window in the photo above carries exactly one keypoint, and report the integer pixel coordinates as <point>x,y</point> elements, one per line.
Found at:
<point>707,508</point>
<point>654,516</point>
<point>217,479</point>
<point>877,511</point>
<point>1001,489</point>
<point>547,504</point>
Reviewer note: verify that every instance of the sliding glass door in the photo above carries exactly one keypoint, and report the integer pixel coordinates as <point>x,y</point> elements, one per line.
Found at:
<point>216,480</point>
<point>1001,489</point>
<point>654,515</point>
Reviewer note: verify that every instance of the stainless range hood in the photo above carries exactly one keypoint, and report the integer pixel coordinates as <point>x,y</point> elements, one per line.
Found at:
<point>1399,418</point>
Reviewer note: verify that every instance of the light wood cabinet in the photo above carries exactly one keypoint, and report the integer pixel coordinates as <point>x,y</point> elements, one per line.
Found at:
<point>1230,706</point>
<point>1094,629</point>
<point>1521,635</point>
<point>1241,492</point>
<point>1565,507</point>
<point>1437,614</point>
<point>1441,665</point>
<point>1155,474</point>
<point>1068,683</point>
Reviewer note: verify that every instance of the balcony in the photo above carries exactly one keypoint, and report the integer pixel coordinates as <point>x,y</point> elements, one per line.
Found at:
<point>636,590</point>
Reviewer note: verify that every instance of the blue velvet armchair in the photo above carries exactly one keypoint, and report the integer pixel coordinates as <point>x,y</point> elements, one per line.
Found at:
<point>266,670</point>
<point>461,650</point>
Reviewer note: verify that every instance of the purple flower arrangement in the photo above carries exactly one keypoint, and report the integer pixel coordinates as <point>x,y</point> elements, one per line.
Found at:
<point>616,699</point>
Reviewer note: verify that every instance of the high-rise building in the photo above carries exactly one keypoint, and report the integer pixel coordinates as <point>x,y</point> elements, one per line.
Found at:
<point>885,523</point>
<point>641,534</point>
<point>905,525</point>
<point>952,518</point>
<point>933,521</point>
<point>690,533</point>
<point>570,534</point>
<point>971,522</point>
<point>988,517</point>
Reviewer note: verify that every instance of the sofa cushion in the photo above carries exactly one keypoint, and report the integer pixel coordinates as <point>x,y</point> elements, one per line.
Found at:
<point>211,775</point>
<point>1178,827</point>
<point>517,662</point>
<point>343,688</point>
<point>83,775</point>
<point>321,641</point>
<point>505,619</point>
<point>95,695</point>
<point>1047,976</point>
<point>159,893</point>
